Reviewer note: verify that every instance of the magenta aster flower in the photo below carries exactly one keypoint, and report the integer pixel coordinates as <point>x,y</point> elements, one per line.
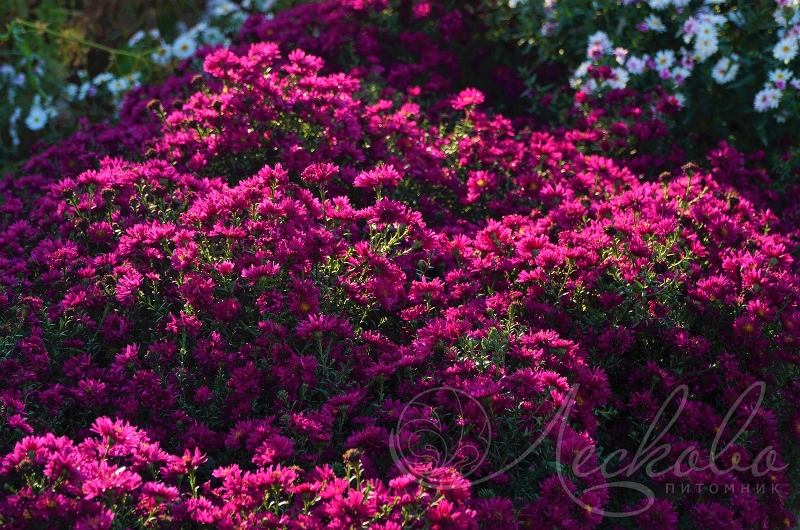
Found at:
<point>100,521</point>
<point>319,173</point>
<point>352,510</point>
<point>447,516</point>
<point>467,98</point>
<point>382,176</point>
<point>496,514</point>
<point>274,450</point>
<point>660,516</point>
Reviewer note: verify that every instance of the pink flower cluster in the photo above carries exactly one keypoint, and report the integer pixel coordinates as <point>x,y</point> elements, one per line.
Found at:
<point>280,267</point>
<point>118,473</point>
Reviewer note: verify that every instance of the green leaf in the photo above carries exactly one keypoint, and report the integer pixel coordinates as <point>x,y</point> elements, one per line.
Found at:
<point>741,82</point>
<point>762,133</point>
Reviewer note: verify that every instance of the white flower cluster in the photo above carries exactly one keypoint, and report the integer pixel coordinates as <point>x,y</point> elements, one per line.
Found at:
<point>41,109</point>
<point>221,20</point>
<point>702,35</point>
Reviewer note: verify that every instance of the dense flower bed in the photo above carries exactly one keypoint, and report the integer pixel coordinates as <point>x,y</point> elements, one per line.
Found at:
<point>244,316</point>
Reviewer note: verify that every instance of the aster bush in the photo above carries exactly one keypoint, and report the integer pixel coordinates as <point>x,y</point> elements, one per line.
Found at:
<point>279,295</point>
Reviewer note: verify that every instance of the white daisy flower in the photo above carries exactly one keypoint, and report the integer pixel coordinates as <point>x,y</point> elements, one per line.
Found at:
<point>780,75</point>
<point>83,91</point>
<point>37,118</point>
<point>118,85</point>
<point>785,50</point>
<point>222,8</point>
<point>664,59</point>
<point>705,29</point>
<point>769,98</point>
<point>704,48</point>
<point>163,55</point>
<point>635,65</point>
<point>99,79</point>
<point>135,38</point>
<point>70,91</point>
<point>724,71</point>
<point>655,24</point>
<point>619,78</point>
<point>679,75</point>
<point>659,4</point>
<point>731,75</point>
<point>599,37</point>
<point>184,46</point>
<point>601,41</point>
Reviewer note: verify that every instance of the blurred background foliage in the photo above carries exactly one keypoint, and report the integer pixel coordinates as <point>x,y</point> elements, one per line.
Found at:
<point>48,45</point>
<point>62,61</point>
